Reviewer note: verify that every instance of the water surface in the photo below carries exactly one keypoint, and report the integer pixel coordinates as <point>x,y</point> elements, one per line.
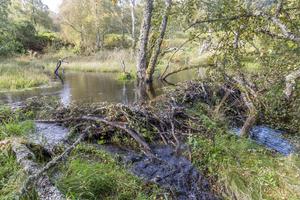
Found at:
<point>91,87</point>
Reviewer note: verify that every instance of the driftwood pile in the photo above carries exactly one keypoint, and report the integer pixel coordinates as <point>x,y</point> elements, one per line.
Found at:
<point>166,123</point>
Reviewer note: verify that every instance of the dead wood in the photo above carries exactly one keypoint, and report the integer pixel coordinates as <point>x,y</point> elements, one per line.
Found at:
<point>164,77</point>
<point>222,102</point>
<point>41,171</point>
<point>290,83</point>
<point>251,118</point>
<point>45,189</point>
<point>58,65</point>
<point>131,132</point>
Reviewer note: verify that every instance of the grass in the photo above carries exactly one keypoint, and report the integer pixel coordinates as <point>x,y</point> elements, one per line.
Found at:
<point>103,61</point>
<point>14,124</point>
<point>9,176</point>
<point>16,75</point>
<point>93,174</point>
<point>241,169</point>
<point>28,72</point>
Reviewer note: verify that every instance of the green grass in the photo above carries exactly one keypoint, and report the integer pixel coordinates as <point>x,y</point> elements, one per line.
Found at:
<point>17,75</point>
<point>93,174</point>
<point>14,124</point>
<point>238,167</point>
<point>11,177</point>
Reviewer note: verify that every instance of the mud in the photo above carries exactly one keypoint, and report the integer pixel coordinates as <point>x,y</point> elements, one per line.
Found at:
<point>170,171</point>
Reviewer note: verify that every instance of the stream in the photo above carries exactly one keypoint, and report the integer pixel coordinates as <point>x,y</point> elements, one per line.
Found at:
<point>170,170</point>
<point>91,87</point>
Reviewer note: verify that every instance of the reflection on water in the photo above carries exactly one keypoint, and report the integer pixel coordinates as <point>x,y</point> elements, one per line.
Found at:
<point>79,87</point>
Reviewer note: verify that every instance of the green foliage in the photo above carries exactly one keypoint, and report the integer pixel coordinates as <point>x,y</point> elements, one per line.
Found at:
<point>21,21</point>
<point>279,113</point>
<point>238,167</point>
<point>246,170</point>
<point>93,174</point>
<point>112,41</point>
<point>126,77</point>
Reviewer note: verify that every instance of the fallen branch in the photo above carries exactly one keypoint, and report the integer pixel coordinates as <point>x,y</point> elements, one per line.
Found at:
<point>45,189</point>
<point>184,69</point>
<point>131,132</point>
<point>40,172</point>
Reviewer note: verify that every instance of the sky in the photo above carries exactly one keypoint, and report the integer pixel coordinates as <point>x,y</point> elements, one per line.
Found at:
<point>52,4</point>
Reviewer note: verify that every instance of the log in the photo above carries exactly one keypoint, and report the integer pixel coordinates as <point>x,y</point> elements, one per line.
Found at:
<point>45,189</point>
<point>40,172</point>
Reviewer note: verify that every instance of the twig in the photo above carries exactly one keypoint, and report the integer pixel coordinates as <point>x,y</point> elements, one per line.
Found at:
<point>131,132</point>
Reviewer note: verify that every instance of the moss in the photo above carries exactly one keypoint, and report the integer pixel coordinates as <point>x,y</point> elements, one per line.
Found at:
<point>93,174</point>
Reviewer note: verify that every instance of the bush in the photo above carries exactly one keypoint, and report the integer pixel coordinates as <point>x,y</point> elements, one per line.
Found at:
<point>112,41</point>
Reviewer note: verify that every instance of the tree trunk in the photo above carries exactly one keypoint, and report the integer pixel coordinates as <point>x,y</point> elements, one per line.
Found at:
<point>98,35</point>
<point>251,118</point>
<point>133,22</point>
<point>290,83</point>
<point>144,37</point>
<point>157,48</point>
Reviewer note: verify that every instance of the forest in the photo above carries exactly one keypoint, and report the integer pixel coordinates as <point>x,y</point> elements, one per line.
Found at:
<point>150,99</point>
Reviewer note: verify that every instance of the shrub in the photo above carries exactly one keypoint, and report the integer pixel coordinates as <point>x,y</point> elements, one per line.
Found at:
<point>112,41</point>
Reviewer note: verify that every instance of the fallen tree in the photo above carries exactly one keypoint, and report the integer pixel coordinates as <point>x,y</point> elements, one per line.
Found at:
<point>43,186</point>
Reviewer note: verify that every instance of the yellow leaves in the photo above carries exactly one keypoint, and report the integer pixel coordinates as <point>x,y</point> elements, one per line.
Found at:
<point>114,1</point>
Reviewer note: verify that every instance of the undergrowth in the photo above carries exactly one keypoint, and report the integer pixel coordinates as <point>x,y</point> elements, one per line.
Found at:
<point>241,169</point>
<point>93,174</point>
<point>14,124</point>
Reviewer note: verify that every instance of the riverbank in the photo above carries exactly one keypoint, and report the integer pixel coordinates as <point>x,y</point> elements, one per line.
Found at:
<point>28,71</point>
<point>234,167</point>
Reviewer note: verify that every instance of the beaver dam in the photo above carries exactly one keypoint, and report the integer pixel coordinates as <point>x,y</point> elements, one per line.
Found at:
<point>184,144</point>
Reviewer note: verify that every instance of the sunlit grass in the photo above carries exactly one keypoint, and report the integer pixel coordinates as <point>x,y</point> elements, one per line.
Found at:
<point>94,174</point>
<point>103,61</point>
<point>16,75</point>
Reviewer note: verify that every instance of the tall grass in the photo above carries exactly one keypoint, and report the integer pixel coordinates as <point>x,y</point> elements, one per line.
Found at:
<point>239,168</point>
<point>103,61</point>
<point>16,75</point>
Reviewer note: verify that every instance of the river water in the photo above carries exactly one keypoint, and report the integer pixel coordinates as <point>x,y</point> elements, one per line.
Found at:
<point>90,87</point>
